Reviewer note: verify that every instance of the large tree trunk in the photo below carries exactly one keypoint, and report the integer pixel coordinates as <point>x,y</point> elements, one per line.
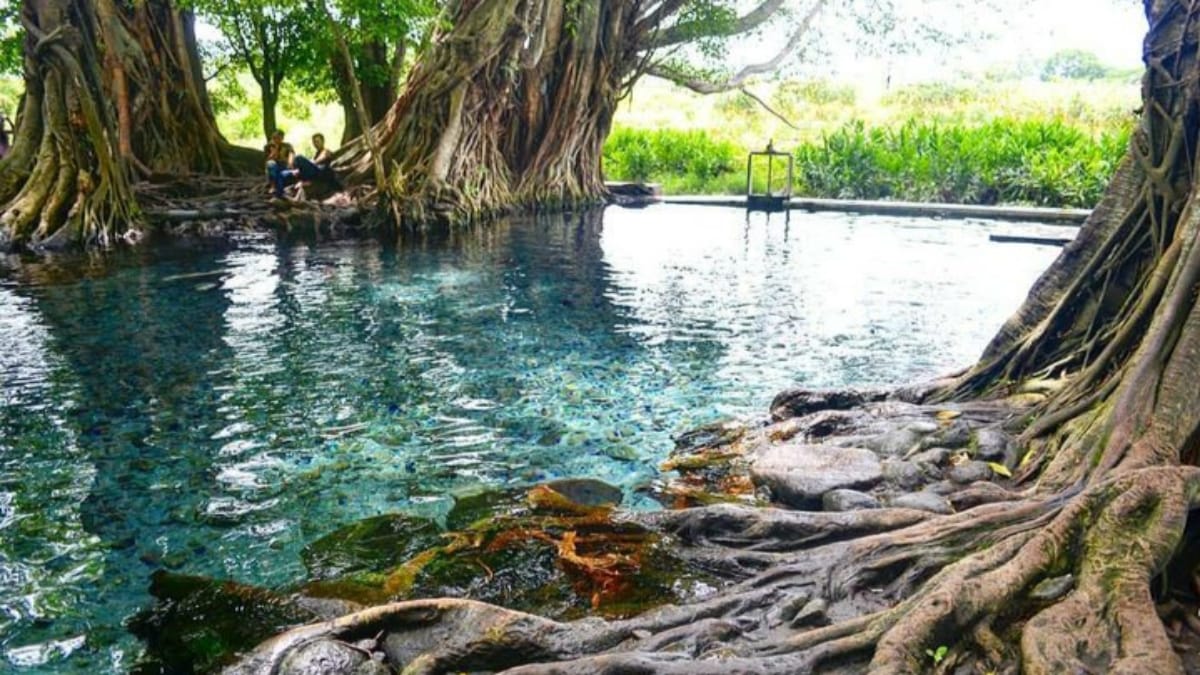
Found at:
<point>111,93</point>
<point>64,180</point>
<point>1049,572</point>
<point>508,109</point>
<point>173,128</point>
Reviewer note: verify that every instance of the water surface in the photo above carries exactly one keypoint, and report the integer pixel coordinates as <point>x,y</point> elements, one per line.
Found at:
<point>214,409</point>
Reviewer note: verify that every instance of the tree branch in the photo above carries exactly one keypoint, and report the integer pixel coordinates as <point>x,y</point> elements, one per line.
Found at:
<point>702,86</point>
<point>651,21</point>
<point>686,32</point>
<point>778,115</point>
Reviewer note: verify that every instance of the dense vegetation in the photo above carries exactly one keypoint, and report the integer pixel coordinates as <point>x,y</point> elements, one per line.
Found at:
<point>993,143</point>
<point>1011,161</point>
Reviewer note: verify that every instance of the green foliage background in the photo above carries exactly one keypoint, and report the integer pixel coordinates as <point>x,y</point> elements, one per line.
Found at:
<point>1011,142</point>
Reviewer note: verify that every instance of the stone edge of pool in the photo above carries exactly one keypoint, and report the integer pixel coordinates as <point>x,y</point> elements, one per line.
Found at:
<point>1049,216</point>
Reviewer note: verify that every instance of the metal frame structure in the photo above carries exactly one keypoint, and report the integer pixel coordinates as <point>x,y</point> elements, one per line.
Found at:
<point>769,200</point>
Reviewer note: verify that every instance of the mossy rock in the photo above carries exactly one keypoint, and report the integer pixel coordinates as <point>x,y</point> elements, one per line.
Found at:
<point>479,507</point>
<point>198,624</point>
<point>520,564</point>
<point>587,491</point>
<point>482,507</point>
<point>376,544</point>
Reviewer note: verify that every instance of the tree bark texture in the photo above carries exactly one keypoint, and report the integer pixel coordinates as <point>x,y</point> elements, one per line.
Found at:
<point>508,108</point>
<point>112,95</point>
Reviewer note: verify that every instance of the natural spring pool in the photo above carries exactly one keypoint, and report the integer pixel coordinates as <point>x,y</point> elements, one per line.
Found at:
<point>212,409</point>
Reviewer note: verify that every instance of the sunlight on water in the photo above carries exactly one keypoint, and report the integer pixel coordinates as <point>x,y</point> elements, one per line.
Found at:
<point>211,411</point>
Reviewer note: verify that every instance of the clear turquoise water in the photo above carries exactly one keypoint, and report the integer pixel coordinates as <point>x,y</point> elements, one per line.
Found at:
<point>215,409</point>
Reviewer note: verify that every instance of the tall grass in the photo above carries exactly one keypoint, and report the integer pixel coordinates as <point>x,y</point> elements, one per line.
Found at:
<point>1041,161</point>
<point>685,162</point>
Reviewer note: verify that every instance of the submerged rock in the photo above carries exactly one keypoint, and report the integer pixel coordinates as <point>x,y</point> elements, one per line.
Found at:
<point>799,475</point>
<point>716,434</point>
<point>198,624</point>
<point>587,491</point>
<point>798,402</point>
<point>553,549</point>
<point>848,500</point>
<point>371,545</point>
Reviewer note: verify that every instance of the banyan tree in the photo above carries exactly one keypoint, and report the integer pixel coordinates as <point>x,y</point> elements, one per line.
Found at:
<point>114,93</point>
<point>512,103</point>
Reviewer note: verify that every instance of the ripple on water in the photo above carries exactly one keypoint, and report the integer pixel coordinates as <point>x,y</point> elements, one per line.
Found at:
<point>215,411</point>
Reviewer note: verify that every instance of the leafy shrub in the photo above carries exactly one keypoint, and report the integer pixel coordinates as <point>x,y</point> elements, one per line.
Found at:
<point>1045,162</point>
<point>679,159</point>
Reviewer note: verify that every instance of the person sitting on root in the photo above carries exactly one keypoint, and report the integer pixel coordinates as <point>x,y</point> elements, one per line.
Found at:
<point>280,162</point>
<point>320,166</point>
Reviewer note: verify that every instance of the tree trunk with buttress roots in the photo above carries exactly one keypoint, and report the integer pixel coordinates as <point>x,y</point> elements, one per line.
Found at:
<point>113,94</point>
<point>508,108</point>
<point>1097,378</point>
<point>64,180</point>
<point>171,128</point>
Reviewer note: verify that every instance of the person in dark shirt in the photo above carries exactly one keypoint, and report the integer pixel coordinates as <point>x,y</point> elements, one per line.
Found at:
<point>280,162</point>
<point>319,167</point>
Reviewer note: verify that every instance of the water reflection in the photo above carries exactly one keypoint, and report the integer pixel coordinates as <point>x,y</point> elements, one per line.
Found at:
<point>213,410</point>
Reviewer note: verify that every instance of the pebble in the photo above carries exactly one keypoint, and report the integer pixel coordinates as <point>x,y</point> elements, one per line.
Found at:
<point>924,501</point>
<point>848,500</point>
<point>970,472</point>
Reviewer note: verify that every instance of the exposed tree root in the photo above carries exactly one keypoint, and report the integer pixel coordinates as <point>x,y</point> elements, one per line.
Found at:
<point>212,205</point>
<point>898,582</point>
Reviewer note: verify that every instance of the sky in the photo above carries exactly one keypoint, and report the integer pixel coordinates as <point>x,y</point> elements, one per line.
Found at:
<point>1112,29</point>
<point>1031,31</point>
